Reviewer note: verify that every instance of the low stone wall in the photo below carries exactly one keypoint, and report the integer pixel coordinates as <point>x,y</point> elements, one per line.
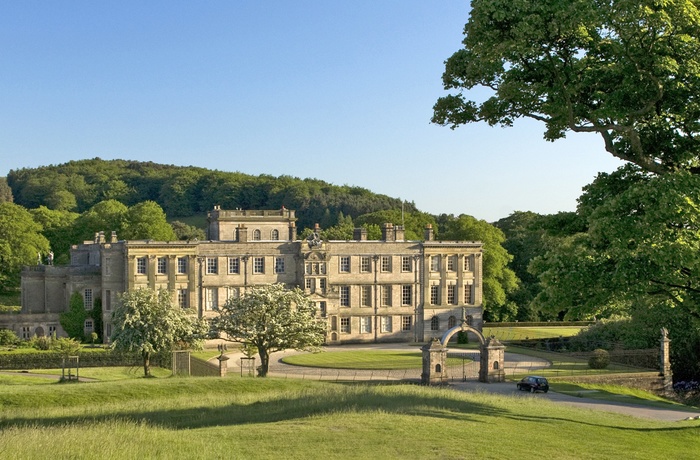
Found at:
<point>647,381</point>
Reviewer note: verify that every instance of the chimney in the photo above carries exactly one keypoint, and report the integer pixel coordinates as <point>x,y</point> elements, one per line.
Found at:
<point>359,234</point>
<point>292,230</point>
<point>388,232</point>
<point>428,234</point>
<point>242,234</point>
<point>399,232</point>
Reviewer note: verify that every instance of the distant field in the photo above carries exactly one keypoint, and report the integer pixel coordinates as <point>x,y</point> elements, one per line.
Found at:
<point>363,359</point>
<point>212,418</point>
<point>523,333</point>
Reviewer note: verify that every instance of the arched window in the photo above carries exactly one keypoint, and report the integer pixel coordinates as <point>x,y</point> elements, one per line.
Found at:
<point>256,235</point>
<point>275,235</point>
<point>495,365</point>
<point>438,368</point>
<point>451,322</point>
<point>435,324</point>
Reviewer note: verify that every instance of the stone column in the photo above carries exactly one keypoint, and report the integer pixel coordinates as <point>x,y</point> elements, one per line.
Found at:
<point>492,367</point>
<point>434,362</point>
<point>665,364</point>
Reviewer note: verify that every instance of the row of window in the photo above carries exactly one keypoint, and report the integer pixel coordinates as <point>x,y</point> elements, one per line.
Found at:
<point>161,265</point>
<point>384,264</point>
<point>311,268</point>
<point>385,296</point>
<point>385,324</point>
<point>451,322</point>
<point>212,265</point>
<point>451,294</point>
<point>274,235</point>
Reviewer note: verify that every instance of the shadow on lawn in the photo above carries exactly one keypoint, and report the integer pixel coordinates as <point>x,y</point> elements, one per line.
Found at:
<point>317,403</point>
<point>303,405</point>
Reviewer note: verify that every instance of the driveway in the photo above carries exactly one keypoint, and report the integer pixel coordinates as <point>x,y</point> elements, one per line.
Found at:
<point>514,364</point>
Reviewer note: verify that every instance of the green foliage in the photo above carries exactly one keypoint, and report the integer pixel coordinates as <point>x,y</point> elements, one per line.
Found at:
<point>8,337</point>
<point>626,70</point>
<point>272,318</point>
<point>66,346</point>
<point>105,216</point>
<point>599,360</point>
<point>5,191</point>
<point>186,191</point>
<point>414,222</point>
<point>498,279</point>
<point>527,236</point>
<point>59,228</point>
<point>73,320</point>
<point>185,232</point>
<point>147,322</point>
<point>147,220</point>
<point>21,243</point>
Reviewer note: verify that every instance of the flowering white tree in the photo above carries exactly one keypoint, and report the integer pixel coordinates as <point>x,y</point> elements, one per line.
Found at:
<point>146,321</point>
<point>271,318</point>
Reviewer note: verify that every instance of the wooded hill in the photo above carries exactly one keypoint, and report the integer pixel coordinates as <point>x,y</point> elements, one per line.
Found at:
<point>184,191</point>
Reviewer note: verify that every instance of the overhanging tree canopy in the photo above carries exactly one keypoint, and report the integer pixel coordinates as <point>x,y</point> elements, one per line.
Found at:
<point>628,70</point>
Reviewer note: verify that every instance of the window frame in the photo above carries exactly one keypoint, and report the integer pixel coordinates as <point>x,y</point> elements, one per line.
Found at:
<point>344,296</point>
<point>279,264</point>
<point>162,266</point>
<point>365,264</point>
<point>212,265</point>
<point>234,265</point>
<point>406,293</point>
<point>258,265</point>
<point>142,265</point>
<point>385,264</point>
<point>182,265</point>
<point>344,264</point>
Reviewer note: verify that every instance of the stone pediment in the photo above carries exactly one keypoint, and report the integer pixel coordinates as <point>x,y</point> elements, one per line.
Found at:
<point>315,256</point>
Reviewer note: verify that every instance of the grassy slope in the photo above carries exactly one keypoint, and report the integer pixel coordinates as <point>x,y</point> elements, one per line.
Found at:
<point>275,418</point>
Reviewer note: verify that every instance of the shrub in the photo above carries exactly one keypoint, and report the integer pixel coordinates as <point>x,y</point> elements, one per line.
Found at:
<point>599,360</point>
<point>8,337</point>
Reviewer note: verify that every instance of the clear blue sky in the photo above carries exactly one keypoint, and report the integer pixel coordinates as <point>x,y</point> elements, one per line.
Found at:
<point>339,91</point>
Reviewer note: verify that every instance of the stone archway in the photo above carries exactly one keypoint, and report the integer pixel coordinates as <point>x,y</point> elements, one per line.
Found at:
<point>492,362</point>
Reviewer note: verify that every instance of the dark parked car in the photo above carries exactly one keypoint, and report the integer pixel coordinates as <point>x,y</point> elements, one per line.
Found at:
<point>534,383</point>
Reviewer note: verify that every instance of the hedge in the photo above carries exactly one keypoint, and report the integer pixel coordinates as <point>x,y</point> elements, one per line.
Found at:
<point>53,360</point>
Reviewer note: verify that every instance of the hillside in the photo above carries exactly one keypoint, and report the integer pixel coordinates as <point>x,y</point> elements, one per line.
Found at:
<point>185,191</point>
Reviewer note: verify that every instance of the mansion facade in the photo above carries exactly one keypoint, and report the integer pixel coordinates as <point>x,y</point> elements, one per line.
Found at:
<point>368,290</point>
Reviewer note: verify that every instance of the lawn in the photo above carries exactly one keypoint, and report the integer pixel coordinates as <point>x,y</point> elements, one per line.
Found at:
<point>524,333</point>
<point>288,418</point>
<point>364,360</point>
<point>96,373</point>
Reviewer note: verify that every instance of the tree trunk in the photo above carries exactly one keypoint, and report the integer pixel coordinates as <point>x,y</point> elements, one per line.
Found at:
<point>146,364</point>
<point>264,362</point>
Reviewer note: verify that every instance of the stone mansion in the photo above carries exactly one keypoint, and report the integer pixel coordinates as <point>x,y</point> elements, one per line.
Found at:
<point>369,291</point>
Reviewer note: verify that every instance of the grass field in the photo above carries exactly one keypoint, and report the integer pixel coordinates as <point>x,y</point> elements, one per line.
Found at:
<point>524,333</point>
<point>276,418</point>
<point>363,359</point>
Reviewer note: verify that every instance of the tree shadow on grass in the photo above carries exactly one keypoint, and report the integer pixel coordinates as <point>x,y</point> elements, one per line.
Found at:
<point>350,399</point>
<point>288,408</point>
